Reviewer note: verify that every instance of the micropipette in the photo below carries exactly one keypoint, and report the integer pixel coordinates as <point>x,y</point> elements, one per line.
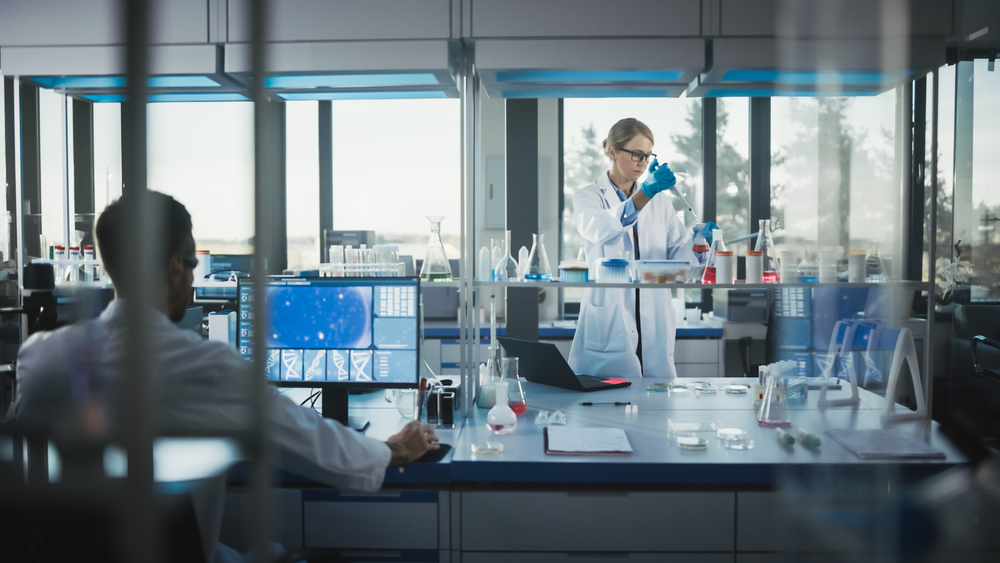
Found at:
<point>677,192</point>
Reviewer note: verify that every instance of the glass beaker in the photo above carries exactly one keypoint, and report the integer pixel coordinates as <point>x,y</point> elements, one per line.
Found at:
<point>765,244</point>
<point>515,393</point>
<point>501,419</point>
<point>718,243</point>
<point>506,268</point>
<point>538,261</point>
<point>436,266</point>
<point>808,270</point>
<point>874,268</point>
<point>772,408</point>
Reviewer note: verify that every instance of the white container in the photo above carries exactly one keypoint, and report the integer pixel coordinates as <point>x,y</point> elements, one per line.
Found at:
<point>485,266</point>
<point>724,266</point>
<point>789,267</point>
<point>692,315</point>
<point>828,256</point>
<point>755,266</point>
<point>856,266</point>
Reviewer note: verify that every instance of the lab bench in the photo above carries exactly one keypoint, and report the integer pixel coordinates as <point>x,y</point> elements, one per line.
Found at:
<point>659,503</point>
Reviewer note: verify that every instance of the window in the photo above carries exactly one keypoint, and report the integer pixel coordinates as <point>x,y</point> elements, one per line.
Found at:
<point>395,162</point>
<point>202,154</point>
<point>832,174</point>
<point>107,154</point>
<point>977,202</point>
<point>676,126</point>
<point>732,167</point>
<point>946,163</point>
<point>51,122</point>
<point>302,183</point>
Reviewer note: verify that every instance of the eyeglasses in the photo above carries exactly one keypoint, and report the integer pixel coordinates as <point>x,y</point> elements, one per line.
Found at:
<point>638,156</point>
<point>189,260</point>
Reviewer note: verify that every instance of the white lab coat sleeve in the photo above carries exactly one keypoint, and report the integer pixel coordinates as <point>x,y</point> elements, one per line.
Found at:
<point>594,223</point>
<point>326,450</point>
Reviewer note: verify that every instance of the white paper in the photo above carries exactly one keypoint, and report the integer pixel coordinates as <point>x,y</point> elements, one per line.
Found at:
<point>585,440</point>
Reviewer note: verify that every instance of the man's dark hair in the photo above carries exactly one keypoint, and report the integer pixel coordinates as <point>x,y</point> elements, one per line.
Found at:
<point>113,230</point>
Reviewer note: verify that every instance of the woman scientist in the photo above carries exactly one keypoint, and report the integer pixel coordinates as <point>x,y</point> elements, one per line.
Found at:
<point>628,332</point>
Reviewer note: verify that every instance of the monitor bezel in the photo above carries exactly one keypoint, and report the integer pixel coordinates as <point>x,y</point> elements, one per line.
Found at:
<point>347,384</point>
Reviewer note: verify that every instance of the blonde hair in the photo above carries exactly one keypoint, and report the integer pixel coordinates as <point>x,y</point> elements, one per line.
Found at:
<point>623,132</point>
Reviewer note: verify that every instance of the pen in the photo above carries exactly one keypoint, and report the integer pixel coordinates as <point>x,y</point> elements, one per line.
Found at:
<point>616,403</point>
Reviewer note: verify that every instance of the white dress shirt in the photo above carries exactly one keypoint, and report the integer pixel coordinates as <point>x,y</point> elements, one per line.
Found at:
<point>198,384</point>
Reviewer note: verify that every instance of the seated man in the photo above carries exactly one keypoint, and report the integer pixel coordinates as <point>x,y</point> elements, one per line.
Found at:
<point>69,377</point>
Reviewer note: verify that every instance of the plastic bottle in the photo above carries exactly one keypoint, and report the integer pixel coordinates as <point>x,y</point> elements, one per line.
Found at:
<point>709,274</point>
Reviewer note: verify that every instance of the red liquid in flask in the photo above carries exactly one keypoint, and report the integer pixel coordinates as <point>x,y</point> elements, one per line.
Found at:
<point>517,406</point>
<point>709,275</point>
<point>700,248</point>
<point>496,427</point>
<point>771,277</point>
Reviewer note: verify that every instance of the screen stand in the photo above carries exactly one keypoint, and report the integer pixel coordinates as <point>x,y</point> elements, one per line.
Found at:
<point>335,406</point>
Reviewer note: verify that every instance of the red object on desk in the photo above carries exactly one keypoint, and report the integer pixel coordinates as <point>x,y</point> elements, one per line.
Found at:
<point>614,380</point>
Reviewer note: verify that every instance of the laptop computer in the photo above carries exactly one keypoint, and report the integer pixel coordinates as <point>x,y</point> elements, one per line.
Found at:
<point>541,362</point>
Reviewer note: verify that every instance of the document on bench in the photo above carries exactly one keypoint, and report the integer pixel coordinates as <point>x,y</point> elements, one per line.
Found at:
<point>564,440</point>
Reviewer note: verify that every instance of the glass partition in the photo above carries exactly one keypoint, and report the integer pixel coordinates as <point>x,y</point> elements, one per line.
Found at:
<point>302,183</point>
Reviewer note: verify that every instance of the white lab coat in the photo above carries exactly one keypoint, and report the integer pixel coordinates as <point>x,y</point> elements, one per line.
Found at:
<point>606,336</point>
<point>199,385</point>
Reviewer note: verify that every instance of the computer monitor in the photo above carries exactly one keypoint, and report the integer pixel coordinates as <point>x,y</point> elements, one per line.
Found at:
<point>336,334</point>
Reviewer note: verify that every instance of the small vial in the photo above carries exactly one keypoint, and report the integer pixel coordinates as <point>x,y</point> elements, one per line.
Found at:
<point>88,266</point>
<point>784,438</point>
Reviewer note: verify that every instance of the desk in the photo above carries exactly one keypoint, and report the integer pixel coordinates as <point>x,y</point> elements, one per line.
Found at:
<point>660,503</point>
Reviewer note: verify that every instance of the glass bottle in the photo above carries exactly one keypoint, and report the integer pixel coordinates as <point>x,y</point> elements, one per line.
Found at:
<point>501,419</point>
<point>436,266</point>
<point>808,270</point>
<point>874,268</point>
<point>765,244</point>
<point>506,268</point>
<point>515,393</point>
<point>718,243</point>
<point>538,261</point>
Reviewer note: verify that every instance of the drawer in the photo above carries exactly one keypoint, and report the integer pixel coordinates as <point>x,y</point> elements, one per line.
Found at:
<point>697,351</point>
<point>388,520</point>
<point>598,521</point>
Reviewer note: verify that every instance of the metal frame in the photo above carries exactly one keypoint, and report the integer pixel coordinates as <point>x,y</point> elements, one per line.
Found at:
<point>325,118</point>
<point>469,92</point>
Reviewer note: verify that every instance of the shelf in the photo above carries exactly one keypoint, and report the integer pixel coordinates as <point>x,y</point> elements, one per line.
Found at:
<point>555,284</point>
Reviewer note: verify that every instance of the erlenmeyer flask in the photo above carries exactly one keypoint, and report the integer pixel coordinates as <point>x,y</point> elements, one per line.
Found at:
<point>436,266</point>
<point>808,270</point>
<point>501,418</point>
<point>506,268</point>
<point>538,261</point>
<point>874,269</point>
<point>515,393</point>
<point>718,243</point>
<point>772,408</point>
<point>765,244</point>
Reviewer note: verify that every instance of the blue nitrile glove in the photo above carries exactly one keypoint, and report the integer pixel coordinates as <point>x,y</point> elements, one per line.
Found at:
<point>709,227</point>
<point>660,179</point>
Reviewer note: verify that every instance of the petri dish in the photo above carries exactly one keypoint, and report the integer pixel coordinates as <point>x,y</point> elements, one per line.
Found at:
<point>736,389</point>
<point>737,443</point>
<point>726,433</point>
<point>487,448</point>
<point>692,443</point>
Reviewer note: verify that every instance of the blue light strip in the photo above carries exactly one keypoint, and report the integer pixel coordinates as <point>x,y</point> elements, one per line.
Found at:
<point>772,93</point>
<point>120,82</point>
<point>293,97</point>
<point>105,98</point>
<point>350,80</point>
<point>590,76</point>
<point>860,78</point>
<point>515,94</point>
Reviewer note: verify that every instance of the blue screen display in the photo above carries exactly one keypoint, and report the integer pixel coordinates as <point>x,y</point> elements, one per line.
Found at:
<point>336,330</point>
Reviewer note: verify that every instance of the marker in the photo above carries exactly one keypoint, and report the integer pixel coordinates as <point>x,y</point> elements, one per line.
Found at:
<point>808,439</point>
<point>617,403</point>
<point>784,438</point>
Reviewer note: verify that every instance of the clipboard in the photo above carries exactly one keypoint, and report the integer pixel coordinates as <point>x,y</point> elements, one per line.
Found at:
<point>604,442</point>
